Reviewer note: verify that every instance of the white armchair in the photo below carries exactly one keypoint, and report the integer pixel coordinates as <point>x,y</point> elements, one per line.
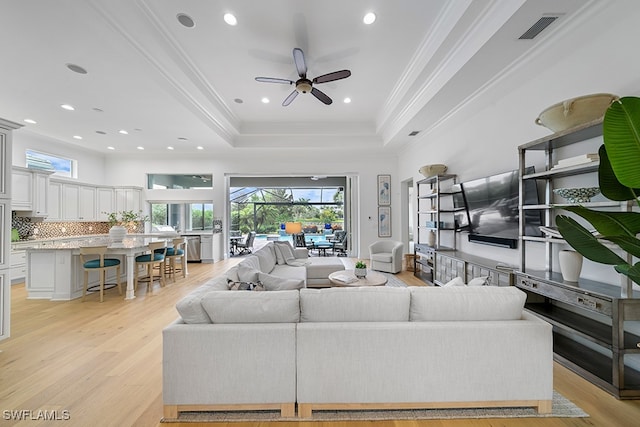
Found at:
<point>386,255</point>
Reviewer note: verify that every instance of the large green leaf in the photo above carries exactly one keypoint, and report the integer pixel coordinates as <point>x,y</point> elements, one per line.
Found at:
<point>609,185</point>
<point>621,131</point>
<point>610,223</point>
<point>628,243</point>
<point>584,242</point>
<point>632,272</point>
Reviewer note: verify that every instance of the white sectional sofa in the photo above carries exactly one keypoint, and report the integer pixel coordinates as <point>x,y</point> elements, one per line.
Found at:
<point>346,348</point>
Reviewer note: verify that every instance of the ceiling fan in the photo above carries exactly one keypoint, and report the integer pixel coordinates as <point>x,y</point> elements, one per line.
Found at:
<point>303,84</point>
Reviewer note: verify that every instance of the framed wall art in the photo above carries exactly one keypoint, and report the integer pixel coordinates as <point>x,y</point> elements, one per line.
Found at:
<point>384,190</point>
<point>384,221</point>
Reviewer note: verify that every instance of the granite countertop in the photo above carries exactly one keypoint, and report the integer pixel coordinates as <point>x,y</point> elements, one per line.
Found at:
<point>74,242</point>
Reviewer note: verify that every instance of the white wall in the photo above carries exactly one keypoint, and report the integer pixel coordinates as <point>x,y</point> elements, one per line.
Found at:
<point>482,137</point>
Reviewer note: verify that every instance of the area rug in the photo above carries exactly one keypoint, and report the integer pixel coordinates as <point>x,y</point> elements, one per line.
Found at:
<point>561,408</point>
<point>393,281</point>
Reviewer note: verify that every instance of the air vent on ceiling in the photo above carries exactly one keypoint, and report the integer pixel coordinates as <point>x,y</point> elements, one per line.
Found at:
<point>414,133</point>
<point>537,28</point>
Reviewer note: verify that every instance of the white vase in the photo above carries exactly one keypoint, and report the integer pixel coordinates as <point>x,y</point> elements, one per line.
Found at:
<point>570,265</point>
<point>360,272</point>
<point>117,233</point>
<point>431,238</point>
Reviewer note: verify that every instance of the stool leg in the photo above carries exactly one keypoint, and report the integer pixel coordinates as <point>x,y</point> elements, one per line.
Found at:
<point>162,281</point>
<point>118,279</point>
<point>183,260</point>
<point>102,273</point>
<point>86,284</point>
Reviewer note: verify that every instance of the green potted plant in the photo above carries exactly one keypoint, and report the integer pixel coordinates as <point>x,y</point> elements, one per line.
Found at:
<point>619,180</point>
<point>123,222</point>
<point>360,270</point>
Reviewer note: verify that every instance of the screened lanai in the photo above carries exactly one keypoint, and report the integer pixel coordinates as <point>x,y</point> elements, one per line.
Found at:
<point>265,204</point>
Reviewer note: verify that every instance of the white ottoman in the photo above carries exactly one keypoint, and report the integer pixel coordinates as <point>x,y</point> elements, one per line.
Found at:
<point>319,269</point>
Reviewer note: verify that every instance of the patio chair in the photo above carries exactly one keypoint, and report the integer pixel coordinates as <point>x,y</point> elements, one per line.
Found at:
<point>340,243</point>
<point>246,247</point>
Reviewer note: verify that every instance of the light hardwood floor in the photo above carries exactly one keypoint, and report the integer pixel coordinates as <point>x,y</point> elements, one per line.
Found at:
<point>103,364</point>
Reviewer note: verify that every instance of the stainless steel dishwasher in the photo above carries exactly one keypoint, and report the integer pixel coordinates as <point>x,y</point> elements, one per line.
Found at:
<point>193,248</point>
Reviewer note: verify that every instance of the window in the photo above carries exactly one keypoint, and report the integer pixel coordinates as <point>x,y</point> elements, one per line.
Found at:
<point>178,182</point>
<point>60,165</point>
<point>182,216</point>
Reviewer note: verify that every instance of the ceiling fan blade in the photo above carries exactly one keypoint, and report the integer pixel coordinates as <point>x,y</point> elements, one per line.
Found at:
<point>301,65</point>
<point>321,96</point>
<point>273,80</point>
<point>289,99</point>
<point>336,75</point>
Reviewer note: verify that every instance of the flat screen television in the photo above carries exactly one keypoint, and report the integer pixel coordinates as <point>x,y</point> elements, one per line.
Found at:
<point>492,207</point>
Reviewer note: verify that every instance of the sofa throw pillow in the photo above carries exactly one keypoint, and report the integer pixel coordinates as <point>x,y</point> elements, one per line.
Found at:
<point>232,274</point>
<point>245,286</point>
<point>479,281</point>
<point>456,281</point>
<point>275,283</point>
<point>286,252</point>
<point>248,269</point>
<point>266,257</point>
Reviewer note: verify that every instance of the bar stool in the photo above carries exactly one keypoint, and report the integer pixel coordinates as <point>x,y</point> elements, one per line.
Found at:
<point>100,264</point>
<point>173,253</point>
<point>149,262</point>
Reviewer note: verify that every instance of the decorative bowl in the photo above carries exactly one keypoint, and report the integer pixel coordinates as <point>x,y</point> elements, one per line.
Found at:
<point>577,195</point>
<point>431,170</point>
<point>576,111</point>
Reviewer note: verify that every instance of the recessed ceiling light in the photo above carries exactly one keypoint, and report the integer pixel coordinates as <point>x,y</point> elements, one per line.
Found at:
<point>124,132</point>
<point>111,148</point>
<point>169,148</point>
<point>230,19</point>
<point>265,100</point>
<point>347,100</point>
<point>76,68</point>
<point>369,18</point>
<point>77,137</point>
<point>67,107</point>
<point>140,148</point>
<point>30,121</point>
<point>185,20</point>
<point>199,147</point>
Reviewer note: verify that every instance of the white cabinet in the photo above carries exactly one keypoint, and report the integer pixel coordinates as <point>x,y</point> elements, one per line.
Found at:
<point>18,265</point>
<point>128,199</point>
<point>105,200</point>
<point>55,201</point>
<point>87,203</point>
<point>70,204</point>
<point>206,248</point>
<point>30,191</point>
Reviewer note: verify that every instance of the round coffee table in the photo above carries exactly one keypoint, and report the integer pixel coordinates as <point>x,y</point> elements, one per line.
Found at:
<point>371,279</point>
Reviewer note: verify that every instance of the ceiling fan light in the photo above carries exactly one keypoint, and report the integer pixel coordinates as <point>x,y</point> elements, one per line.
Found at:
<point>230,19</point>
<point>303,86</point>
<point>369,18</point>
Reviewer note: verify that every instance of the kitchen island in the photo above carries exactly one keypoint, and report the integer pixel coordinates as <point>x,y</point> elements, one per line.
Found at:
<point>54,270</point>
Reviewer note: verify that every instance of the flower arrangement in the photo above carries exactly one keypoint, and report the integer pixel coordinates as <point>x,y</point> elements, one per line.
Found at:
<point>127,219</point>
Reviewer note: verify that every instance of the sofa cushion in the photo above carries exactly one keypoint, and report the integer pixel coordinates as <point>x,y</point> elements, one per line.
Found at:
<point>322,267</point>
<point>283,251</point>
<point>266,257</point>
<point>430,303</point>
<point>190,307</point>
<point>232,274</point>
<point>290,272</point>
<point>275,283</point>
<point>479,281</point>
<point>249,268</point>
<point>359,304</point>
<point>382,257</point>
<point>252,307</point>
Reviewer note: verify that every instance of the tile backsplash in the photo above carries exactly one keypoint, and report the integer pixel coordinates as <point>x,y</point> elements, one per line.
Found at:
<point>28,229</point>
